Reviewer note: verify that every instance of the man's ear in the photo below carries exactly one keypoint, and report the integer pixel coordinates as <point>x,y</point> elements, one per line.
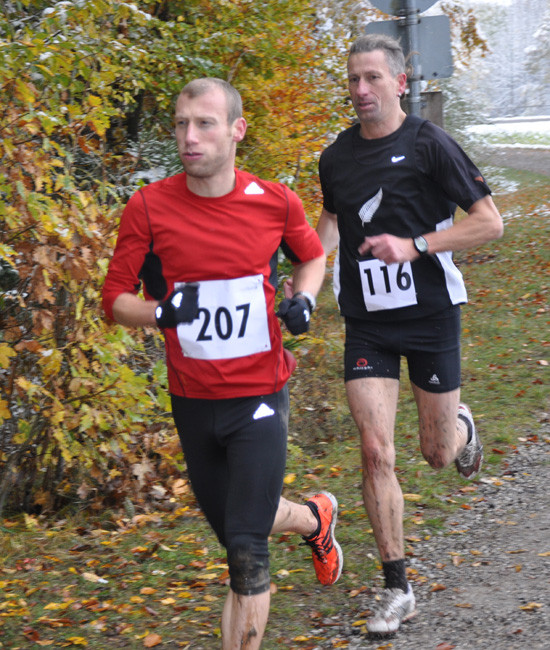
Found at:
<point>239,129</point>
<point>402,81</point>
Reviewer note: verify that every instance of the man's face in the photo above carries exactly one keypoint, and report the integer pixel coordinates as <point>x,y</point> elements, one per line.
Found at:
<point>206,142</point>
<point>374,90</point>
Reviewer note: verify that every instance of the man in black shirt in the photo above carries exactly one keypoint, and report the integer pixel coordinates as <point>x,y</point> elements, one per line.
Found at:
<point>391,184</point>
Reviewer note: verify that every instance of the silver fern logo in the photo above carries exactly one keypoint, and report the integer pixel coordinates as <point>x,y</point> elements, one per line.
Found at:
<point>370,207</point>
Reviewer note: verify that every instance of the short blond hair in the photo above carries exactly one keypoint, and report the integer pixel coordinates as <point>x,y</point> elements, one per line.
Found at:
<point>200,86</point>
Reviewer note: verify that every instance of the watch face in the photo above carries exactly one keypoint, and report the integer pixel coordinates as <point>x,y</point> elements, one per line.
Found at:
<point>421,244</point>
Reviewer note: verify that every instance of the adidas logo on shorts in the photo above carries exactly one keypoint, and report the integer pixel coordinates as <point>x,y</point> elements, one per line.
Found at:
<point>434,379</point>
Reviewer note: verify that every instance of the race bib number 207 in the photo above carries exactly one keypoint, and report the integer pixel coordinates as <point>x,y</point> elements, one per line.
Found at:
<point>232,320</point>
<point>387,286</point>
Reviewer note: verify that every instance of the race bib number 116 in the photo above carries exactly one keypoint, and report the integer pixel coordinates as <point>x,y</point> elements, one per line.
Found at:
<point>387,286</point>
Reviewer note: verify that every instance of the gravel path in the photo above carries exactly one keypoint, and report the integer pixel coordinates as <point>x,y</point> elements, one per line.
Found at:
<point>483,583</point>
<point>529,159</point>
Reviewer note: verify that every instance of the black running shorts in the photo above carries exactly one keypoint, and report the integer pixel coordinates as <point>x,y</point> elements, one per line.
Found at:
<point>235,451</point>
<point>431,346</point>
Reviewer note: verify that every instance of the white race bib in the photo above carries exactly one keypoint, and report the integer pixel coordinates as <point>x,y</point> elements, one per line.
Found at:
<point>387,286</point>
<point>232,320</point>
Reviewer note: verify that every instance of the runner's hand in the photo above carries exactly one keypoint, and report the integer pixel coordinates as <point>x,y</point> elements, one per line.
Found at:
<point>181,306</point>
<point>295,314</point>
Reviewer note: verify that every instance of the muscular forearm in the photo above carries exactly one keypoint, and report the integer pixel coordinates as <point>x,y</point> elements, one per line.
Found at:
<point>309,276</point>
<point>327,229</point>
<point>482,224</point>
<point>132,311</point>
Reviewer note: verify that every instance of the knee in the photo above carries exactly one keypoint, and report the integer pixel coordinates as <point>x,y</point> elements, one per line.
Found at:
<point>377,457</point>
<point>248,566</point>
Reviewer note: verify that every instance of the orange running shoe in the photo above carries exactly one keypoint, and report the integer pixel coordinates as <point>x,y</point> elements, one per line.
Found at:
<point>326,552</point>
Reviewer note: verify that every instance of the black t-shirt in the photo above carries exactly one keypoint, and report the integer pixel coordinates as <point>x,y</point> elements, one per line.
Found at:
<point>405,184</point>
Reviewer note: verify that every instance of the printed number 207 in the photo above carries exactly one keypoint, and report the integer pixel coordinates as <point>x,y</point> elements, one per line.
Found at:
<point>222,322</point>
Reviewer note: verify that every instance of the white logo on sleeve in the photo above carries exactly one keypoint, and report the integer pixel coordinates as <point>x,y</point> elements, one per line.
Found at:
<point>396,159</point>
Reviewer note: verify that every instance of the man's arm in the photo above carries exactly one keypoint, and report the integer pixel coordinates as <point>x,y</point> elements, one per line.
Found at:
<point>482,224</point>
<point>309,275</point>
<point>132,311</point>
<point>327,229</point>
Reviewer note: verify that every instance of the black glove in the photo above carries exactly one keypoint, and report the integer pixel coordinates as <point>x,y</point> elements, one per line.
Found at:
<point>295,313</point>
<point>181,306</point>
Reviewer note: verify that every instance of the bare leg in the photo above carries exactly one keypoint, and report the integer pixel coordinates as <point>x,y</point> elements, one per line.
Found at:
<point>243,621</point>
<point>373,404</point>
<point>294,518</point>
<point>442,434</point>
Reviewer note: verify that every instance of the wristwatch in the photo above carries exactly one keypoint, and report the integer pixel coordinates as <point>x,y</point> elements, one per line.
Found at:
<point>310,299</point>
<point>421,245</point>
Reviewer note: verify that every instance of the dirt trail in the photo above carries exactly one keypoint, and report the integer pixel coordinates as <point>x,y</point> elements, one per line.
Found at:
<point>484,581</point>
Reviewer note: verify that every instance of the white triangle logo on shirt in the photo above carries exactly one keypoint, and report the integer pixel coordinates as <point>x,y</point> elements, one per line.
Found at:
<point>254,188</point>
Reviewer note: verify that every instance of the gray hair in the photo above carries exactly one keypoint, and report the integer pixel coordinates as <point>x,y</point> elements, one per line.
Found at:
<point>391,48</point>
<point>233,99</point>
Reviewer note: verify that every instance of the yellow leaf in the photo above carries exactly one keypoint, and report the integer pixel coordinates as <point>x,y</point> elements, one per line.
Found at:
<point>57,606</point>
<point>5,413</point>
<point>92,577</point>
<point>23,383</point>
<point>5,353</point>
<point>412,497</point>
<point>30,521</point>
<point>545,554</point>
<point>289,478</point>
<point>77,640</point>
<point>531,607</point>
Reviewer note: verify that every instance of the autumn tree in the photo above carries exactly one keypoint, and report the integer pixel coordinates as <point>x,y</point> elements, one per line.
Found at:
<point>88,90</point>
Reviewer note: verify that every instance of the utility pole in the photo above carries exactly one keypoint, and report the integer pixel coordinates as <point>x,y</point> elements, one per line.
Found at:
<point>411,28</point>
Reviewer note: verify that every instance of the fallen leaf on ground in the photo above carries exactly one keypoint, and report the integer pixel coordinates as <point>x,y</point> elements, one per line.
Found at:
<point>531,607</point>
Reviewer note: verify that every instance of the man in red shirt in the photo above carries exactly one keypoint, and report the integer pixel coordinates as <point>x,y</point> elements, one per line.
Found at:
<point>205,244</point>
